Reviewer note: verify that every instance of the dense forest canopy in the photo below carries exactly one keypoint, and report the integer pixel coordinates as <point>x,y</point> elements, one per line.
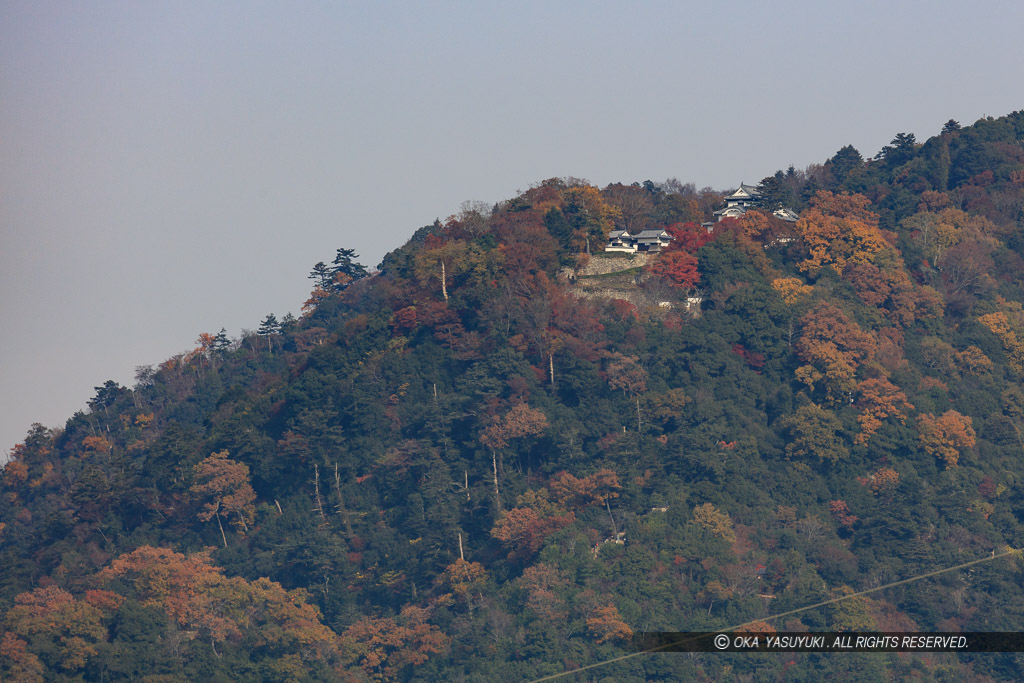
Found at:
<point>504,451</point>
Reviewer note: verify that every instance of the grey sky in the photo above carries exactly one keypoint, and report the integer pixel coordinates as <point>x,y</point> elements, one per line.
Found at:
<point>173,168</point>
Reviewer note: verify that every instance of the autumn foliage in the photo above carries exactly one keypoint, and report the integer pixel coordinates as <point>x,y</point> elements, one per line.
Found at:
<point>713,520</point>
<point>677,263</point>
<point>72,628</point>
<point>224,486</point>
<point>487,461</point>
<point>839,229</point>
<point>791,289</point>
<point>524,528</point>
<point>576,493</point>
<point>1007,330</point>
<point>384,646</point>
<point>197,596</point>
<point>607,625</point>
<point>946,436</point>
<point>880,481</point>
<point>520,421</point>
<point>833,346</point>
<point>879,399</point>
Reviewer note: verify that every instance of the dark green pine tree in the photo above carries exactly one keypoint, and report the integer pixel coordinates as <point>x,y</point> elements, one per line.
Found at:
<point>346,270</point>
<point>221,342</point>
<point>899,151</point>
<point>321,275</point>
<point>843,162</point>
<point>268,328</point>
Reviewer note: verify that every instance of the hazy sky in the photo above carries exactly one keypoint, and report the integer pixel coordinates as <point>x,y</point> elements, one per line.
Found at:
<point>171,168</point>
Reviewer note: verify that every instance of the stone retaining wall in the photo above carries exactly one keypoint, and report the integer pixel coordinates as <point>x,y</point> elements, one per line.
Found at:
<point>599,265</point>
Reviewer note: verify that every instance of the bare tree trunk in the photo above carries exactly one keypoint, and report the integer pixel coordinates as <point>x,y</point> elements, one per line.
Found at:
<point>497,493</point>
<point>465,482</point>
<point>444,289</point>
<point>340,507</point>
<point>551,367</point>
<point>615,529</point>
<point>222,536</point>
<point>316,486</point>
<point>462,556</point>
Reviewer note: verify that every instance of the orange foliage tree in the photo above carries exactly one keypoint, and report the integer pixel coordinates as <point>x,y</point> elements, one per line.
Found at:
<point>223,485</point>
<point>383,647</point>
<point>196,596</point>
<point>519,422</point>
<point>524,528</point>
<point>882,480</point>
<point>64,629</point>
<point>97,444</point>
<point>464,578</point>
<point>877,400</point>
<point>833,346</point>
<point>17,664</point>
<point>606,623</point>
<point>946,436</point>
<point>577,493</point>
<point>837,229</point>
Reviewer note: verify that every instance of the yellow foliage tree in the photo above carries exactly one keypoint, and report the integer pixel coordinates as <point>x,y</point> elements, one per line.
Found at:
<point>937,231</point>
<point>718,523</point>
<point>791,289</point>
<point>999,324</point>
<point>851,612</point>
<point>595,216</point>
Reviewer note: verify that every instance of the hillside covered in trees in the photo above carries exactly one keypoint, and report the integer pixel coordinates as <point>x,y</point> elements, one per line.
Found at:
<point>456,467</point>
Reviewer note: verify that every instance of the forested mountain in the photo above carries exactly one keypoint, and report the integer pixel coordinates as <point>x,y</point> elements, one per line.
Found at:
<point>480,463</point>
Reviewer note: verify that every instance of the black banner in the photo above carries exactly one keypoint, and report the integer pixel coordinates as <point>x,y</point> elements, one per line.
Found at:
<point>874,641</point>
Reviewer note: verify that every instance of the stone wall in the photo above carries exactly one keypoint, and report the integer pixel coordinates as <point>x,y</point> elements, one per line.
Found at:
<point>636,297</point>
<point>599,265</point>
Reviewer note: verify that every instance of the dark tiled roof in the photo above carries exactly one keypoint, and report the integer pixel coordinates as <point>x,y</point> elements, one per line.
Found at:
<point>648,234</point>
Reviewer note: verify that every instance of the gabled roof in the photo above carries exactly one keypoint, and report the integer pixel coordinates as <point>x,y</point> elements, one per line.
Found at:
<point>651,234</point>
<point>745,191</point>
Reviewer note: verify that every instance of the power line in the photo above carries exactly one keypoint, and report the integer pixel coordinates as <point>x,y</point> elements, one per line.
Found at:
<point>918,577</point>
